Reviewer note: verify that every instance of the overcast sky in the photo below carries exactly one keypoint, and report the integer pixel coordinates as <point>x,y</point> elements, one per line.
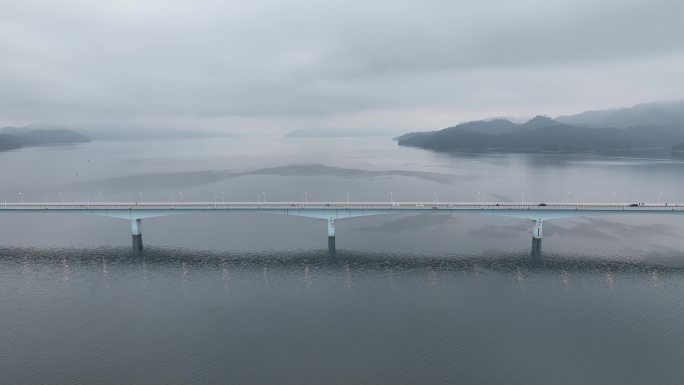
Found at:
<point>268,66</point>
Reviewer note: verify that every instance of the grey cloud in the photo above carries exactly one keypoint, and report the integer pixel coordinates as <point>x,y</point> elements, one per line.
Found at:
<point>280,65</point>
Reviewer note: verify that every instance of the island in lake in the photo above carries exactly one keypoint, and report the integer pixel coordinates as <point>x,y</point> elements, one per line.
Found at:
<point>12,138</point>
<point>656,126</point>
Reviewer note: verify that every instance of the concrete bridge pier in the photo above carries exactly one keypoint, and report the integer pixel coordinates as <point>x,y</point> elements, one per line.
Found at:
<point>536,238</point>
<point>331,237</point>
<point>136,231</point>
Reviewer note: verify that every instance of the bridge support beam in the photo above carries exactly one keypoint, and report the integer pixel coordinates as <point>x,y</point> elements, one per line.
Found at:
<point>331,236</point>
<point>136,231</point>
<point>536,238</point>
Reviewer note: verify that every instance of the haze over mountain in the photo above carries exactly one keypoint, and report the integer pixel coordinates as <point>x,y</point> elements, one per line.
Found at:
<point>339,133</point>
<point>36,135</point>
<point>658,113</point>
<point>656,126</point>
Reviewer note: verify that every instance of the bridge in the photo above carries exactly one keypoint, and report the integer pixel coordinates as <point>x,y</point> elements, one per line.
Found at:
<point>537,212</point>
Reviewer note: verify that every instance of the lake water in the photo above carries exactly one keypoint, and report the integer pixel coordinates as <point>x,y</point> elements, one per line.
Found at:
<point>433,298</point>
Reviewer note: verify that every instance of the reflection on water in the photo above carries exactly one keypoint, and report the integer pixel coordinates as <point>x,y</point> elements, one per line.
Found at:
<point>344,261</point>
<point>202,316</point>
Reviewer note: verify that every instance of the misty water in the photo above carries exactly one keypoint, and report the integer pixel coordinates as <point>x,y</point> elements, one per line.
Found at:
<point>432,298</point>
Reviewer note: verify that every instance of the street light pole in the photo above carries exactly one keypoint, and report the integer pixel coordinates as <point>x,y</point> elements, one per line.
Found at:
<point>21,197</point>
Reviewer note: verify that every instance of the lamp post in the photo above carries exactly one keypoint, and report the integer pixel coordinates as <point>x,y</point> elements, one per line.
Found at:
<point>181,195</point>
<point>347,196</point>
<point>612,198</point>
<point>140,196</point>
<point>264,194</point>
<point>522,197</point>
<point>391,197</point>
<point>223,197</point>
<point>660,196</point>
<point>61,200</point>
<point>567,197</point>
<point>306,197</point>
<point>21,197</point>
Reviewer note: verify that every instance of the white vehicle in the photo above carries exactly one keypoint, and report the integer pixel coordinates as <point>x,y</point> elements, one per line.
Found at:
<point>419,205</point>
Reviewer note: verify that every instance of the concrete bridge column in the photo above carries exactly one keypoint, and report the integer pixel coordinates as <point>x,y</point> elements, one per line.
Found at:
<point>331,236</point>
<point>136,231</point>
<point>536,238</point>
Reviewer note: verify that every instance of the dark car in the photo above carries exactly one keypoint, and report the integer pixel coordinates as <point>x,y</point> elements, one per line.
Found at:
<point>634,205</point>
<point>542,204</point>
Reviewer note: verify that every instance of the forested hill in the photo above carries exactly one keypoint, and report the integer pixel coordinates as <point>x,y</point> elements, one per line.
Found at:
<point>543,134</point>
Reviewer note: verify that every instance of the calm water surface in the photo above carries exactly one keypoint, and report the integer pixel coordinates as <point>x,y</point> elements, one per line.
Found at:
<point>253,299</point>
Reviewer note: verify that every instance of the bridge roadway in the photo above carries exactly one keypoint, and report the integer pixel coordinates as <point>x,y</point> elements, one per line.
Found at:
<point>332,211</point>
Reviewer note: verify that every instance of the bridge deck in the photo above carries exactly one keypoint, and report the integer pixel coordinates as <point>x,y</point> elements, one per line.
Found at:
<point>412,206</point>
<point>332,211</point>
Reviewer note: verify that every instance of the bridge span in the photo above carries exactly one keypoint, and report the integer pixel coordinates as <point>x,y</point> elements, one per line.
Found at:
<point>537,212</point>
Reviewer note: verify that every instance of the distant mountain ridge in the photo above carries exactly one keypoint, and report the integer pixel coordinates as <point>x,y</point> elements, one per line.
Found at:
<point>12,138</point>
<point>656,113</point>
<point>656,126</point>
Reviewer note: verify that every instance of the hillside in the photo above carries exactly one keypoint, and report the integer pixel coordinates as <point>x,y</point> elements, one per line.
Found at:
<point>543,134</point>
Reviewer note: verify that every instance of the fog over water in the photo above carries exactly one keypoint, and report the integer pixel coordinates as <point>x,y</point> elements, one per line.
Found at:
<point>254,298</point>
